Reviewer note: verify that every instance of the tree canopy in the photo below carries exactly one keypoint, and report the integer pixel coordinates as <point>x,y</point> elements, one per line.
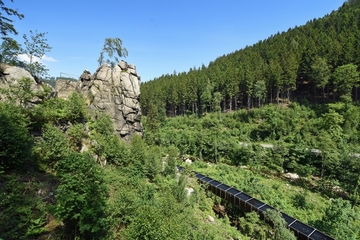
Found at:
<point>114,49</point>
<point>287,66</point>
<point>6,23</point>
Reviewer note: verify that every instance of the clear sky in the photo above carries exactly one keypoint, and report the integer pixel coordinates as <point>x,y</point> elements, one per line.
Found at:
<point>160,35</point>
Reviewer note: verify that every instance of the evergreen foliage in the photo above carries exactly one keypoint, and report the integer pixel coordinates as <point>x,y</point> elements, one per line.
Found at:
<point>285,67</point>
<point>121,196</point>
<point>15,140</point>
<point>23,213</point>
<point>81,196</point>
<point>279,224</point>
<point>337,220</point>
<point>78,180</point>
<point>6,23</point>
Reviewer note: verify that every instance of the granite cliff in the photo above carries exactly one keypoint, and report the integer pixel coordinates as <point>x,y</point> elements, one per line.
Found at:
<point>115,91</point>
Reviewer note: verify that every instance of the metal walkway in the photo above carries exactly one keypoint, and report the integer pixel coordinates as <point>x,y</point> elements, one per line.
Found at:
<point>247,203</point>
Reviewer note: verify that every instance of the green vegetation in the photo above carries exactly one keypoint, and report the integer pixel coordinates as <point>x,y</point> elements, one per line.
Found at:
<point>16,144</point>
<point>6,29</point>
<point>52,188</point>
<point>113,48</point>
<point>272,140</point>
<point>35,48</point>
<point>316,62</point>
<point>64,174</point>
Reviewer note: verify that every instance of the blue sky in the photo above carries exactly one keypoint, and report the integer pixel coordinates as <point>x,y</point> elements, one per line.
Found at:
<point>160,35</point>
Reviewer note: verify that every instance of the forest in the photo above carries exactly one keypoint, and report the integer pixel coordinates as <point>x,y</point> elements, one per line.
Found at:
<point>317,62</point>
<point>295,92</point>
<point>51,189</point>
<point>287,104</point>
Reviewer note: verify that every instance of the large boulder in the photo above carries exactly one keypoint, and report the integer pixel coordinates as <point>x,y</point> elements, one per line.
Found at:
<point>15,80</point>
<point>114,91</point>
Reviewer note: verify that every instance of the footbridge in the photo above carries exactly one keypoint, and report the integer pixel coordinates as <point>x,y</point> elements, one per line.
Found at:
<point>248,203</point>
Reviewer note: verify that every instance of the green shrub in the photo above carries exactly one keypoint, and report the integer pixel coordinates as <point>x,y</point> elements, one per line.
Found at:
<point>76,108</point>
<point>81,196</point>
<point>53,146</point>
<point>15,140</point>
<point>22,210</point>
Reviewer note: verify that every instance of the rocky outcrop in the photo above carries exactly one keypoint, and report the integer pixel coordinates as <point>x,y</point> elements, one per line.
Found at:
<point>64,88</point>
<point>19,84</point>
<point>114,91</point>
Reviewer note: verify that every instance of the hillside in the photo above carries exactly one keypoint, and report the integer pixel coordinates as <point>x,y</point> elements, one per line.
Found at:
<point>66,174</point>
<point>252,150</point>
<point>305,63</point>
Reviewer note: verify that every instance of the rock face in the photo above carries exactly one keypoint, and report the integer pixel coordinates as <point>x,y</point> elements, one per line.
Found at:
<point>12,80</point>
<point>64,88</point>
<point>115,91</point>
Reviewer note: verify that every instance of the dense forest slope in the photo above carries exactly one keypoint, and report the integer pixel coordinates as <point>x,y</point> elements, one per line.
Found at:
<point>82,181</point>
<point>317,61</point>
<point>296,90</point>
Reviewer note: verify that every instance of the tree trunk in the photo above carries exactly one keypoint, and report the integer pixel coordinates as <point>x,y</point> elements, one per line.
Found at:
<point>288,95</point>
<point>235,102</point>
<point>230,103</point>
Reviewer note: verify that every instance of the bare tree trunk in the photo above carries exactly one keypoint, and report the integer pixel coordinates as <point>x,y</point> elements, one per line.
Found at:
<point>288,95</point>
<point>235,102</point>
<point>230,103</point>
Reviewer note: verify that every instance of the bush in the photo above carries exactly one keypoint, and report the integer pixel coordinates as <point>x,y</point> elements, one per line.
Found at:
<point>81,196</point>
<point>53,146</point>
<point>22,210</point>
<point>15,140</point>
<point>76,108</point>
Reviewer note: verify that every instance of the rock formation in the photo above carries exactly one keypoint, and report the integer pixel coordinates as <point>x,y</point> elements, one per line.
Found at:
<point>114,91</point>
<point>17,81</point>
<point>64,88</point>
